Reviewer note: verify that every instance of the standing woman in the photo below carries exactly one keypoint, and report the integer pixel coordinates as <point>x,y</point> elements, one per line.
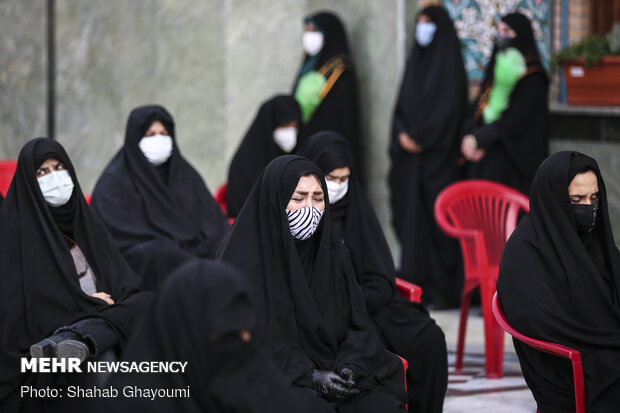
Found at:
<point>507,135</point>
<point>424,150</point>
<point>559,281</point>
<point>326,87</point>
<point>65,290</point>
<point>156,206</point>
<point>404,327</point>
<point>311,314</point>
<point>273,133</point>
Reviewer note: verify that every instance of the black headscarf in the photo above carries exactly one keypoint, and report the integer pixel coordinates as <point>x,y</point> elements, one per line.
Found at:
<point>311,311</point>
<point>138,204</point>
<point>258,148</point>
<point>433,94</point>
<point>39,287</point>
<point>360,230</point>
<point>551,289</point>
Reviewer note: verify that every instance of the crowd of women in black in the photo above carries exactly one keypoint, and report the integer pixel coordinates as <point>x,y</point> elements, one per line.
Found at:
<point>294,307</point>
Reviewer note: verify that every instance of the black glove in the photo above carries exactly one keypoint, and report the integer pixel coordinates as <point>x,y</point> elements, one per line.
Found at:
<point>332,387</point>
<point>347,374</point>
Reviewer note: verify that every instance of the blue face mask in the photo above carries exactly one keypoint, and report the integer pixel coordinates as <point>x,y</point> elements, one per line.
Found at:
<point>424,33</point>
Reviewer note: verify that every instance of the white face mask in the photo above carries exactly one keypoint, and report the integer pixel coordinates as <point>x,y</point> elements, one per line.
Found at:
<point>156,149</point>
<point>424,33</point>
<point>285,138</point>
<point>304,222</point>
<point>336,191</point>
<point>56,187</point>
<point>312,42</point>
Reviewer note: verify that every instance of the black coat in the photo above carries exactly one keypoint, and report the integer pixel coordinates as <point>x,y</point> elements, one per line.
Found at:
<point>160,216</point>
<point>311,310</point>
<point>557,286</point>
<point>39,287</point>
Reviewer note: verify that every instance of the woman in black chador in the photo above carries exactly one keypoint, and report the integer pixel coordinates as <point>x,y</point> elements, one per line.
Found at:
<point>273,133</point>
<point>507,132</point>
<point>559,280</point>
<point>326,87</point>
<point>203,316</point>
<point>156,206</point>
<point>424,150</point>
<point>405,328</point>
<point>65,290</point>
<point>311,314</point>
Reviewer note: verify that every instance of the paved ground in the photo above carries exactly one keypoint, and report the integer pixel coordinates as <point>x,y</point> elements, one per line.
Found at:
<point>470,390</point>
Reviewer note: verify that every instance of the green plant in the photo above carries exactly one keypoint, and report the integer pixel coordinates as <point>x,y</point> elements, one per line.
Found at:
<point>591,48</point>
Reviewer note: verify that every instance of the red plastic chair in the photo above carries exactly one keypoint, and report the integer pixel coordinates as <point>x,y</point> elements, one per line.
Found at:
<point>410,291</point>
<point>220,198</point>
<point>482,215</point>
<point>7,170</point>
<point>556,349</point>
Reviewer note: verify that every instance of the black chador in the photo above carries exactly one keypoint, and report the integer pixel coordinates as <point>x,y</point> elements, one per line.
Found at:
<point>517,142</point>
<point>404,327</point>
<point>258,148</point>
<point>311,312</point>
<point>203,315</point>
<point>430,109</point>
<point>159,216</point>
<point>561,284</point>
<point>40,287</point>
<point>338,109</point>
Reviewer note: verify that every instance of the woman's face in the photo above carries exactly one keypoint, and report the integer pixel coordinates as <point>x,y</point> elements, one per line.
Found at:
<point>583,189</point>
<point>307,193</point>
<point>424,19</point>
<point>50,165</point>
<point>156,128</point>
<point>339,175</point>
<point>503,30</point>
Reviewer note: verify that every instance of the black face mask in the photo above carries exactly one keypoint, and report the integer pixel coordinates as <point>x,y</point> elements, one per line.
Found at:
<point>503,42</point>
<point>585,217</point>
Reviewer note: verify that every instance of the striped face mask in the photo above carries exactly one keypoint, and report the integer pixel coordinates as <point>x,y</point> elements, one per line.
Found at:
<point>304,222</point>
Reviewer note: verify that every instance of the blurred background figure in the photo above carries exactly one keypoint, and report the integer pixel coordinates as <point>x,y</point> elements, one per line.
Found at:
<point>424,149</point>
<point>326,87</point>
<point>204,315</point>
<point>273,133</point>
<point>507,133</point>
<point>156,206</point>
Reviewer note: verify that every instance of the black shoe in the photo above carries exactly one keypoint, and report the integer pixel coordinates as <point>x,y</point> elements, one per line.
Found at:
<point>65,344</point>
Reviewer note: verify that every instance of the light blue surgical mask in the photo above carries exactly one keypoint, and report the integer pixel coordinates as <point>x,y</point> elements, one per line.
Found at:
<point>424,33</point>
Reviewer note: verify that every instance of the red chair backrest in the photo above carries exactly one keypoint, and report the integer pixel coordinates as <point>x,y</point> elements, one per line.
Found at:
<point>7,170</point>
<point>479,213</point>
<point>552,348</point>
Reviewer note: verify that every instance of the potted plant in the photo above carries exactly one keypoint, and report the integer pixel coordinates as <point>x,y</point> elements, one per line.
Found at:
<point>592,69</point>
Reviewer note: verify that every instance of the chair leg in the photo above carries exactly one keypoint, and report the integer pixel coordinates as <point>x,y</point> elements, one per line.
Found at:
<point>493,335</point>
<point>460,344</point>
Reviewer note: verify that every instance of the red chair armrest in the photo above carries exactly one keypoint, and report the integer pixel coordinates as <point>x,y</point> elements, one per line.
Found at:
<point>408,290</point>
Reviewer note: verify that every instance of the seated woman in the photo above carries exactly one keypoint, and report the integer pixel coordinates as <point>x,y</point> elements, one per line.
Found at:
<point>156,206</point>
<point>559,281</point>
<point>208,305</point>
<point>273,133</point>
<point>405,327</point>
<point>65,290</point>
<point>311,317</point>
